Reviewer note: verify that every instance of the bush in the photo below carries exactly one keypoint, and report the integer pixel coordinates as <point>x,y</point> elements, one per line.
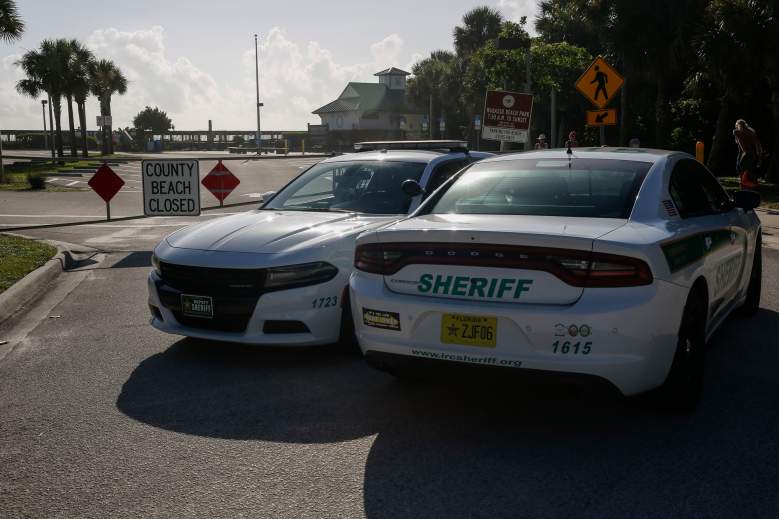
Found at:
<point>36,180</point>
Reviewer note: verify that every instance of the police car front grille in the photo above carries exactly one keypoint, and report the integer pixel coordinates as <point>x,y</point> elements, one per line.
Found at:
<point>212,281</point>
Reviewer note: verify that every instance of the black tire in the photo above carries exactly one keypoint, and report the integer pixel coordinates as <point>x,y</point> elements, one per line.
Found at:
<point>347,342</point>
<point>752,303</point>
<point>681,391</point>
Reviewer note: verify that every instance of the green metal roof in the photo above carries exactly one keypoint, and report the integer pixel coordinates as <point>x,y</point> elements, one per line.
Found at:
<point>368,97</point>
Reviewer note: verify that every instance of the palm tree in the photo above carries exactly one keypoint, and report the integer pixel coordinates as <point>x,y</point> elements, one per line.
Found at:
<point>480,25</point>
<point>106,79</point>
<point>11,24</point>
<point>79,83</point>
<point>46,72</point>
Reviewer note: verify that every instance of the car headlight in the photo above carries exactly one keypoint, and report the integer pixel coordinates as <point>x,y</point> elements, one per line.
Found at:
<point>155,263</point>
<point>301,275</point>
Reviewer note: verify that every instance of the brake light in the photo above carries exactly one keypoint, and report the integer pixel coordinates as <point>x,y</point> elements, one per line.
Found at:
<point>574,267</point>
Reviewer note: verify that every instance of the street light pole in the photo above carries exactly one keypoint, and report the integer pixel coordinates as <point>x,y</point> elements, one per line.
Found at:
<point>45,133</point>
<point>257,83</point>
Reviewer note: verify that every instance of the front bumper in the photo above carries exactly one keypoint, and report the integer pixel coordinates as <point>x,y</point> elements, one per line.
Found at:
<point>632,332</point>
<point>294,305</point>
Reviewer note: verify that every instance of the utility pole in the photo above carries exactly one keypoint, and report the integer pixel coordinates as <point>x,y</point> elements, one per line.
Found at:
<point>2,168</point>
<point>528,89</point>
<point>553,106</point>
<point>257,83</point>
<point>45,133</point>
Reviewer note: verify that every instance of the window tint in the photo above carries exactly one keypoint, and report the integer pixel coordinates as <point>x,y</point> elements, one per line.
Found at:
<point>444,172</point>
<point>695,191</point>
<point>371,187</point>
<point>598,188</point>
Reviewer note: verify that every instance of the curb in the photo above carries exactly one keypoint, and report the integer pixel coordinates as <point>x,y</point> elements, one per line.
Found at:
<point>33,285</point>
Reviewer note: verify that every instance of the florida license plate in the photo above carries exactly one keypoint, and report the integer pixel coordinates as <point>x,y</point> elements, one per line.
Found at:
<point>197,306</point>
<point>469,330</point>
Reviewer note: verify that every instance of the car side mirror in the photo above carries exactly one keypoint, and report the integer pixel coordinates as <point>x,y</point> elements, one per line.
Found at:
<point>267,195</point>
<point>411,187</point>
<point>746,200</point>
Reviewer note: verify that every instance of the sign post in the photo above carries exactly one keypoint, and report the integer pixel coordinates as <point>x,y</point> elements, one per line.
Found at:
<point>599,83</point>
<point>106,184</point>
<point>220,182</point>
<point>171,187</point>
<point>477,128</point>
<point>507,116</point>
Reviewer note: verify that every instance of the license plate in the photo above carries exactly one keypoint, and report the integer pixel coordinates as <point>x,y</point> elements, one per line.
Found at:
<point>469,330</point>
<point>197,306</point>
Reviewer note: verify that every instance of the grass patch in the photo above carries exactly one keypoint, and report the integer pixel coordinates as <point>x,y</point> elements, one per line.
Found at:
<point>769,193</point>
<point>20,182</point>
<point>19,257</point>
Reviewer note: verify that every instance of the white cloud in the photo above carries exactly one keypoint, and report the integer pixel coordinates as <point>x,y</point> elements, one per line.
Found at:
<point>516,9</point>
<point>295,78</point>
<point>387,51</point>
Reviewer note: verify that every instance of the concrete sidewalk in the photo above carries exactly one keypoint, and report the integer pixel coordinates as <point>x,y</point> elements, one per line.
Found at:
<point>770,221</point>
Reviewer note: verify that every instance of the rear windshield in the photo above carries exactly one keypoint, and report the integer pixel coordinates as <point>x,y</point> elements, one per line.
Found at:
<point>594,188</point>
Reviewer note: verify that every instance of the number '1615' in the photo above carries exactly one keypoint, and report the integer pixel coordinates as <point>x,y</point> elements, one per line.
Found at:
<point>568,348</point>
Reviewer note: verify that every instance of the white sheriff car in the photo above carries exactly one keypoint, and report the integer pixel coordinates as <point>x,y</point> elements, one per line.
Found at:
<point>279,275</point>
<point>610,262</point>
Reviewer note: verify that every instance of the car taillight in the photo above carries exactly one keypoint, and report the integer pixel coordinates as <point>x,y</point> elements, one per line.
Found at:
<point>574,267</point>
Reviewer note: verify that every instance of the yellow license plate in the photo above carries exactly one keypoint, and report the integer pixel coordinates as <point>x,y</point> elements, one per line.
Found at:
<point>469,330</point>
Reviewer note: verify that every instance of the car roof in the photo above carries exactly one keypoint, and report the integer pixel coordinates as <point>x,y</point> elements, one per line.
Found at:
<point>420,156</point>
<point>635,154</point>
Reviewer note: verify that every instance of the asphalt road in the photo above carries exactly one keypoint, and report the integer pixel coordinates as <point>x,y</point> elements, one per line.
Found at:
<point>101,415</point>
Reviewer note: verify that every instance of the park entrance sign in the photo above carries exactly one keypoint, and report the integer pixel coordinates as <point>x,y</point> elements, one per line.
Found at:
<point>599,82</point>
<point>507,116</point>
<point>171,187</point>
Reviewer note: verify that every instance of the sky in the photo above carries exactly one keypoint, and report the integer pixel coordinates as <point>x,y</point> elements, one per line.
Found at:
<point>195,59</point>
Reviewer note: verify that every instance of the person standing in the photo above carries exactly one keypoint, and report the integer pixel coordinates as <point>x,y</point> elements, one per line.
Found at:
<point>749,152</point>
<point>541,143</point>
<point>572,142</point>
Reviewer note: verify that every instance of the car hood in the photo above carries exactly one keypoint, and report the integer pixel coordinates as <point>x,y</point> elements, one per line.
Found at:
<point>273,232</point>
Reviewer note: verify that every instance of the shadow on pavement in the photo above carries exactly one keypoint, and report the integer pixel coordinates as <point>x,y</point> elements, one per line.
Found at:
<point>476,447</point>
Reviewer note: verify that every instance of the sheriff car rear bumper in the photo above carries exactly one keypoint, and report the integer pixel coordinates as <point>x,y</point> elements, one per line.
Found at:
<point>632,332</point>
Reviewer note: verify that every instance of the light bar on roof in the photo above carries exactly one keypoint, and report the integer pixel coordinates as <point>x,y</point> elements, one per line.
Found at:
<point>411,145</point>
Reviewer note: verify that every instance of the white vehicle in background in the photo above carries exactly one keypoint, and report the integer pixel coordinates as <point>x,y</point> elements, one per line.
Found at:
<point>613,263</point>
<point>278,275</point>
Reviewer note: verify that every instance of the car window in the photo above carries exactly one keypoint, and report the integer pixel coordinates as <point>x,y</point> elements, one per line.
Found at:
<point>695,191</point>
<point>597,188</point>
<point>444,172</point>
<point>371,187</point>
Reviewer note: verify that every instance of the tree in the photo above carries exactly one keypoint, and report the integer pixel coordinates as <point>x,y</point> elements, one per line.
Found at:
<point>436,83</point>
<point>480,25</point>
<point>11,24</point>
<point>105,81</point>
<point>82,61</point>
<point>46,72</point>
<point>151,120</point>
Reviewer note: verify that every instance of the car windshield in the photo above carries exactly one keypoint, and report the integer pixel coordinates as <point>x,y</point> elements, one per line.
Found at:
<point>596,188</point>
<point>371,187</point>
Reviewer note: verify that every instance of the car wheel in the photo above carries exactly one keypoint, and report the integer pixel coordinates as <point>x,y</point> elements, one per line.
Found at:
<point>752,303</point>
<point>682,388</point>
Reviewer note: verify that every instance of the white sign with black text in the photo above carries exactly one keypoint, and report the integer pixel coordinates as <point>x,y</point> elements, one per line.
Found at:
<point>171,187</point>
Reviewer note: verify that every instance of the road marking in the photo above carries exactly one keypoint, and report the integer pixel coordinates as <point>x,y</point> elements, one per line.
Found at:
<point>51,179</point>
<point>72,183</point>
<point>253,195</point>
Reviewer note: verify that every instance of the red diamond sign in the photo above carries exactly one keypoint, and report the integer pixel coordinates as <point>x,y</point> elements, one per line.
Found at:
<point>106,183</point>
<point>220,181</point>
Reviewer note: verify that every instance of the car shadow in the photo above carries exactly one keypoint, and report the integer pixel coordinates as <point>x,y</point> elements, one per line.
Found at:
<point>486,447</point>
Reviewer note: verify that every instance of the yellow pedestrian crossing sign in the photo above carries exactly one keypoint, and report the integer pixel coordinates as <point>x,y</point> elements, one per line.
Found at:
<point>599,82</point>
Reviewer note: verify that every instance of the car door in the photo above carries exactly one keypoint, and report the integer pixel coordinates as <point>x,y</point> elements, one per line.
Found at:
<point>709,237</point>
<point>443,172</point>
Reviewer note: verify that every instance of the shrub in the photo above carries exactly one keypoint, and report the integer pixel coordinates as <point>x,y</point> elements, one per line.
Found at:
<point>36,180</point>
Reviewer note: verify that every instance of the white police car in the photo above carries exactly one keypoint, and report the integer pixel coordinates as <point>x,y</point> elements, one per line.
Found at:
<point>279,275</point>
<point>615,263</point>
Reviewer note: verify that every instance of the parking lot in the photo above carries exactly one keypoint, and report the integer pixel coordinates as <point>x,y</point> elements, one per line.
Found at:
<point>104,416</point>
